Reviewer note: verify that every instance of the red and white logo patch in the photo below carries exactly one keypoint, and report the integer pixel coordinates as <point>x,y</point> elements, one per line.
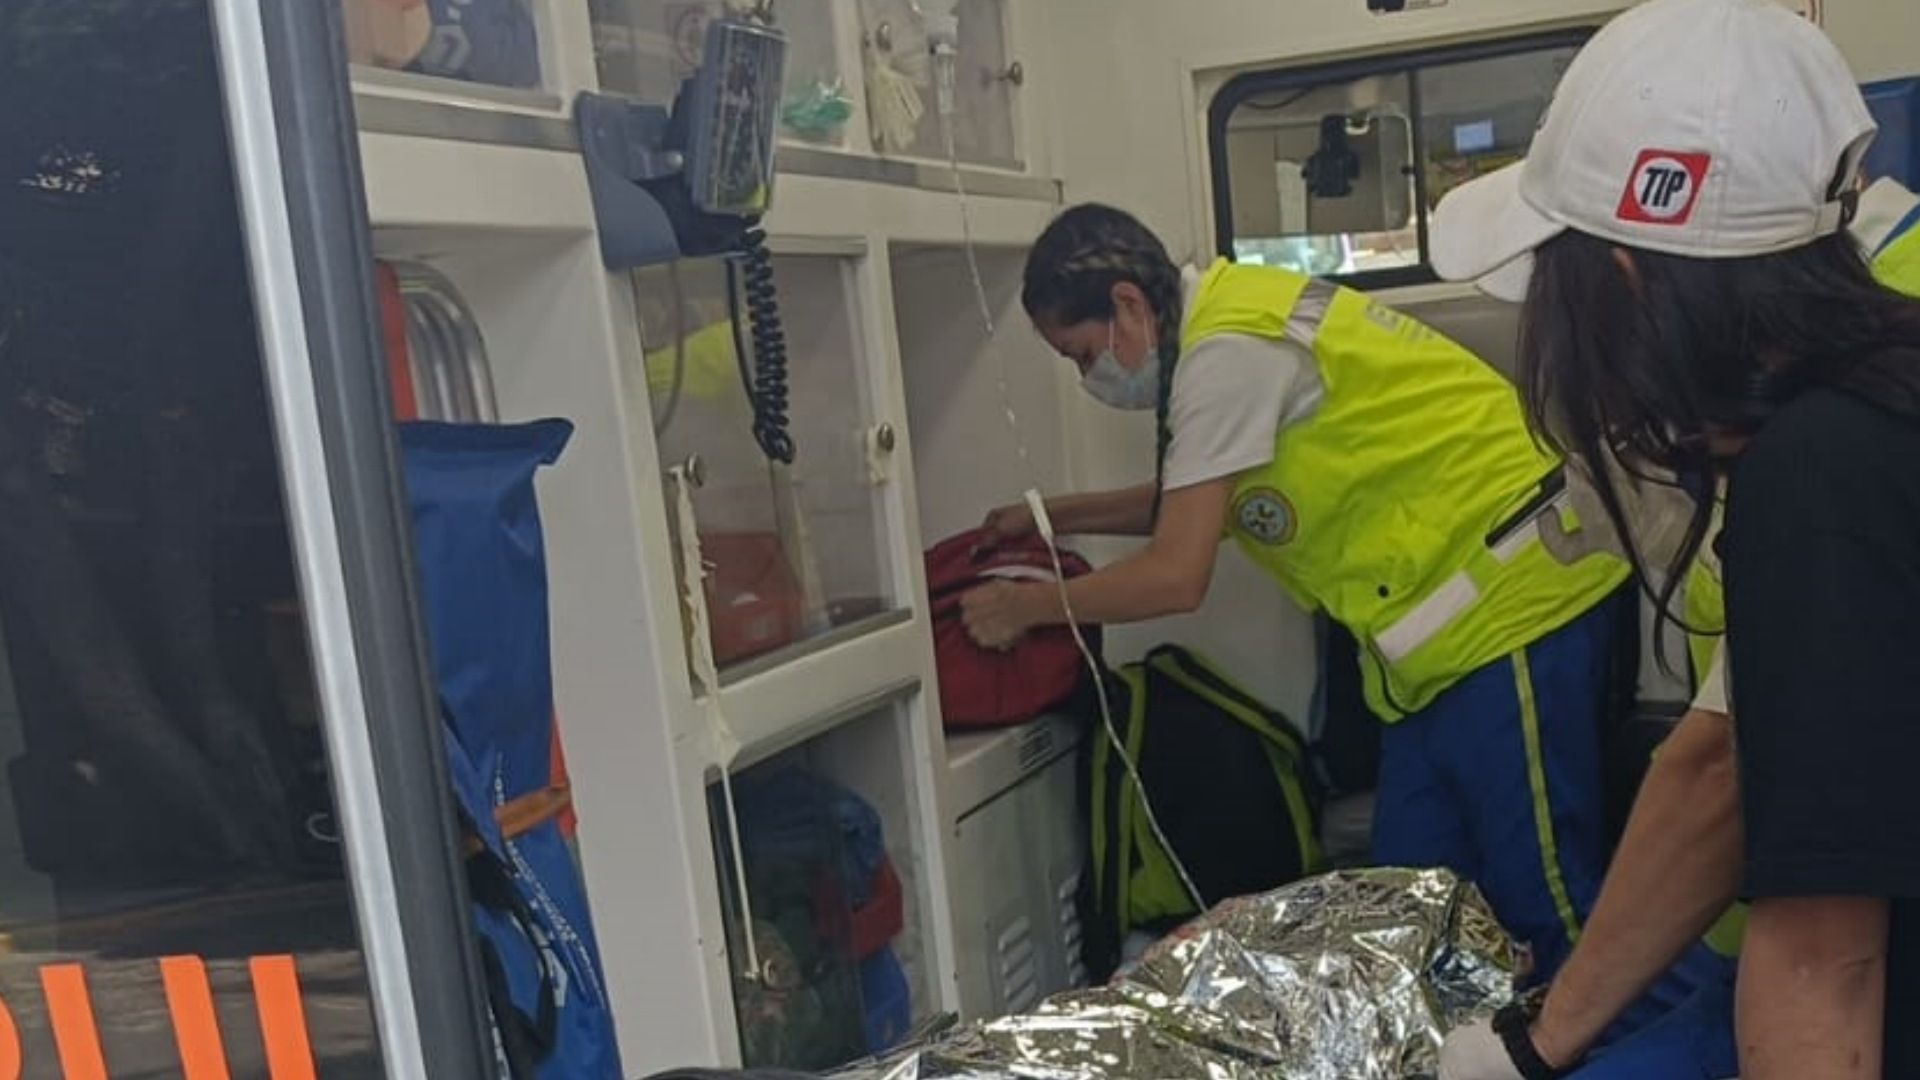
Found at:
<point>1664,186</point>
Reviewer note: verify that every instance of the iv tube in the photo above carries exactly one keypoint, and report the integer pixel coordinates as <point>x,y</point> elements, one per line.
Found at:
<point>943,37</point>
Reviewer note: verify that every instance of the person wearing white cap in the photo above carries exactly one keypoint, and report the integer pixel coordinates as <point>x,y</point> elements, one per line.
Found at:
<point>1672,865</point>
<point>1694,309</point>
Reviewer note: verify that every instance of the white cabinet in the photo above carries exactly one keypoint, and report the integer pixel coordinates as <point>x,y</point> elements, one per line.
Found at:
<point>1016,861</point>
<point>960,385</point>
<point>850,63</point>
<point>988,83</point>
<point>808,596</point>
<point>1017,849</point>
<point>813,572</point>
<point>646,48</point>
<point>794,553</point>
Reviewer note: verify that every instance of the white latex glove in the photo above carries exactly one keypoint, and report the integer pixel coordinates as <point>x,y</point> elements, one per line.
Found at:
<point>1474,1052</point>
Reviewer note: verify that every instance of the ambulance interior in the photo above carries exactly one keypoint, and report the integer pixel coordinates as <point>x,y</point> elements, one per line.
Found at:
<point>719,709</point>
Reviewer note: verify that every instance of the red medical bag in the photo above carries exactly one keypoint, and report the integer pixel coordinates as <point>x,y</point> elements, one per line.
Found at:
<point>753,597</point>
<point>981,688</point>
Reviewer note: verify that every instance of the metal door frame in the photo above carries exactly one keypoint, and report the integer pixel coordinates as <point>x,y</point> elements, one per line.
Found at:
<point>303,205</point>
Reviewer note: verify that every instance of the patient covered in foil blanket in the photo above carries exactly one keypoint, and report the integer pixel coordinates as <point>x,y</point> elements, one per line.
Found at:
<point>1357,975</point>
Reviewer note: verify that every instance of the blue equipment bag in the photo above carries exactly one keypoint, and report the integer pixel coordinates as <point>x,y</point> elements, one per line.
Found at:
<point>1895,105</point>
<point>485,41</point>
<point>483,583</point>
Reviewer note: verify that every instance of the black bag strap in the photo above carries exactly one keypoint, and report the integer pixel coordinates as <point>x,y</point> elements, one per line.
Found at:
<point>516,1040</point>
<point>526,1040</point>
<point>1197,670</point>
<point>1103,787</point>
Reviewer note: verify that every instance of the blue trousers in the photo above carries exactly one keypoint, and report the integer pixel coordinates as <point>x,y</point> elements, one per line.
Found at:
<point>1499,780</point>
<point>1692,1042</point>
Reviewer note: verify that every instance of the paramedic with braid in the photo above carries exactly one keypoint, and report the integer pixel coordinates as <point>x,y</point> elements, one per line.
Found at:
<point>1386,475</point>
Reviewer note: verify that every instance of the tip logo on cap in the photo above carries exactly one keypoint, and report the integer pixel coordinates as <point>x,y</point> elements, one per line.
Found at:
<point>1663,187</point>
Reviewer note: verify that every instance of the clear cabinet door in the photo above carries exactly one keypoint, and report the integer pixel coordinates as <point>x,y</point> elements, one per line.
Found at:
<point>486,42</point>
<point>645,48</point>
<point>836,897</point>
<point>987,83</point>
<point>792,553</point>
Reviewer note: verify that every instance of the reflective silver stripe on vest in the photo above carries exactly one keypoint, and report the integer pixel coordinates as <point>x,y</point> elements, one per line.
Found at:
<point>1428,618</point>
<point>1303,322</point>
<point>1458,593</point>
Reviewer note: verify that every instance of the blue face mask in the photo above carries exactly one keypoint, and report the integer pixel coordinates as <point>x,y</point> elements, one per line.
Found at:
<point>1112,384</point>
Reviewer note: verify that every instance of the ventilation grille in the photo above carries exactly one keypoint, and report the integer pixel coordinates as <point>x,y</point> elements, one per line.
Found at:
<point>1036,747</point>
<point>1066,909</point>
<point>1018,965</point>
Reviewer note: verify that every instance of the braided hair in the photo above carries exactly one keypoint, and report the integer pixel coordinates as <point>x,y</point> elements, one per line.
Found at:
<point>1069,279</point>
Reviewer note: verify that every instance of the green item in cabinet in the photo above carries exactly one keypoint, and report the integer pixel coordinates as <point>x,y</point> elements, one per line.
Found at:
<point>818,110</point>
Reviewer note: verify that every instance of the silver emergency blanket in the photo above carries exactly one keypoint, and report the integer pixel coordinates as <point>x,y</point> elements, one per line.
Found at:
<point>1357,975</point>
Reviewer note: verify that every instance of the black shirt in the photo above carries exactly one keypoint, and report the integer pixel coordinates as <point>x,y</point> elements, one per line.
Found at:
<point>1822,564</point>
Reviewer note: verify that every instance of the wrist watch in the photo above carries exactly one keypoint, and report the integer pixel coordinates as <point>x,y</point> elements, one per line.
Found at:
<point>1514,1025</point>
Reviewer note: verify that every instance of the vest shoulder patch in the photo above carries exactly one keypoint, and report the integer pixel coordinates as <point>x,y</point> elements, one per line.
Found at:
<point>1266,516</point>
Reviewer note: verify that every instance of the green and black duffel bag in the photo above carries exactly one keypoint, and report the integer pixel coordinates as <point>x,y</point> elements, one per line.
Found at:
<point>1230,781</point>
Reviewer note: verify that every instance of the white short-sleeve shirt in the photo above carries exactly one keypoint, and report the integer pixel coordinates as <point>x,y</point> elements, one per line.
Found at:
<point>1232,396</point>
<point>1712,695</point>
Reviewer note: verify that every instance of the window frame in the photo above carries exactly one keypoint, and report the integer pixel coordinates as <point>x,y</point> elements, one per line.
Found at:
<point>295,153</point>
<point>1242,88</point>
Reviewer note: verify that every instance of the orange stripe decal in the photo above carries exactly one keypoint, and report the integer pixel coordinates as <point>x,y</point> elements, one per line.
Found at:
<point>195,1024</point>
<point>283,1024</point>
<point>9,1045</point>
<point>74,1031</point>
<point>393,328</point>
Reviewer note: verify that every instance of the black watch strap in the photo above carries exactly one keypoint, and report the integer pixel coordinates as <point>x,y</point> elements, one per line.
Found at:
<point>1513,1024</point>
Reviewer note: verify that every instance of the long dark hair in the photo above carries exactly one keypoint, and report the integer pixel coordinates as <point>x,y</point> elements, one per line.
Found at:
<point>1070,276</point>
<point>1643,371</point>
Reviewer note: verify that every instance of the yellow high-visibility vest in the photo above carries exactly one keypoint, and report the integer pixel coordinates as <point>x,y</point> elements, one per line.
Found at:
<point>1382,506</point>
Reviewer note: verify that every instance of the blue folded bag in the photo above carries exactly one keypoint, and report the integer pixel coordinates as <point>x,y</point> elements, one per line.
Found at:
<point>483,582</point>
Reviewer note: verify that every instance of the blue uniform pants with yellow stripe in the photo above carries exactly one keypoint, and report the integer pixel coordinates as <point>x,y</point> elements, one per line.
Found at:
<point>1500,781</point>
<point>1692,1042</point>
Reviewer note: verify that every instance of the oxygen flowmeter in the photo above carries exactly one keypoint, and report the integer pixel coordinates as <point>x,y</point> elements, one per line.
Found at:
<point>695,181</point>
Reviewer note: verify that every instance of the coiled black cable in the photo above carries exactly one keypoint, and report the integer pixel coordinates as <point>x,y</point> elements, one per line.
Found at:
<point>766,377</point>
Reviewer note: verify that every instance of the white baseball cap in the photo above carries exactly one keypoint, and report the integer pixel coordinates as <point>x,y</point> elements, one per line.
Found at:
<point>1709,128</point>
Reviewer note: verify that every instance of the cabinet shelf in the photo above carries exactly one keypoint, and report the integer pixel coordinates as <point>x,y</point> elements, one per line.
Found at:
<point>832,639</point>
<point>379,83</point>
<point>495,124</point>
<point>531,122</point>
<point>790,703</point>
<point>472,189</point>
